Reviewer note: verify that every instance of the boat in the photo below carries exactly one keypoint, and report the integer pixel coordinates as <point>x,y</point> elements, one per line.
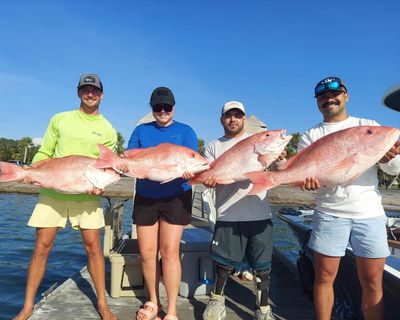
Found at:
<point>347,304</point>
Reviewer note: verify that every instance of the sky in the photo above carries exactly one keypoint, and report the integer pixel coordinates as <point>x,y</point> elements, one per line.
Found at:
<point>267,54</point>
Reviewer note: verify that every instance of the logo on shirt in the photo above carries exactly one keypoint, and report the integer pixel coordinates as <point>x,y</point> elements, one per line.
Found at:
<point>97,133</point>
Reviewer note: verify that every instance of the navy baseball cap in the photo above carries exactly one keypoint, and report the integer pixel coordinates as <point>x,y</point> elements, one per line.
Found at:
<point>329,84</point>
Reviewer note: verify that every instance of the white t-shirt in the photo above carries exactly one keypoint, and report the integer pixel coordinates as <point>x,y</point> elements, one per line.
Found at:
<point>248,208</point>
<point>361,198</point>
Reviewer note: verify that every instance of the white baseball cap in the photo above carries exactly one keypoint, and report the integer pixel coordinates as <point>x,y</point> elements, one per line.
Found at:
<point>233,105</point>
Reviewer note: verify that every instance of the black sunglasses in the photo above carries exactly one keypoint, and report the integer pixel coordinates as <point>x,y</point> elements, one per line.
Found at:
<point>160,107</point>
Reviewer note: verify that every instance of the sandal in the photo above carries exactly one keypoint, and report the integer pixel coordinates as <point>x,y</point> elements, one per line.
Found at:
<point>149,311</point>
<point>170,317</point>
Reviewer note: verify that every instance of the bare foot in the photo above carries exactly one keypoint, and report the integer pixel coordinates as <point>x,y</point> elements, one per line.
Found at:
<point>106,313</point>
<point>24,314</point>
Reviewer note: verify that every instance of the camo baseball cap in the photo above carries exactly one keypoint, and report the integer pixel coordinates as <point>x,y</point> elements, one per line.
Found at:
<point>90,79</point>
<point>232,105</point>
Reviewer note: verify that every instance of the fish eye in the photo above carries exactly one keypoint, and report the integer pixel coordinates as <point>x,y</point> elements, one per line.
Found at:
<point>192,155</point>
<point>267,135</point>
<point>370,131</point>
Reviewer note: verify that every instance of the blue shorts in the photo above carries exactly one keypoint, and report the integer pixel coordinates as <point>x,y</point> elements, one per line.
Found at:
<point>331,235</point>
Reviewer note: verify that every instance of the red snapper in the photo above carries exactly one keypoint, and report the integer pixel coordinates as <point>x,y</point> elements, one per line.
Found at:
<point>335,159</point>
<point>72,174</point>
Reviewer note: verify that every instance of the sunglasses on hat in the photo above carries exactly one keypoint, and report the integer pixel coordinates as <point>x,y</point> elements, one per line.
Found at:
<point>160,107</point>
<point>330,84</point>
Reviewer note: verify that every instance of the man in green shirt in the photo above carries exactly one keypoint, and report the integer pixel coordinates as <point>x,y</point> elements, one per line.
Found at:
<point>74,132</point>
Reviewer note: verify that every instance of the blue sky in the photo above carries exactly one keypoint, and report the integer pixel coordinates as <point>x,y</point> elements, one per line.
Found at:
<point>267,54</point>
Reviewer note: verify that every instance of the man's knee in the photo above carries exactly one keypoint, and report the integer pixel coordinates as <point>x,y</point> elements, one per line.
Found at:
<point>223,271</point>
<point>43,247</point>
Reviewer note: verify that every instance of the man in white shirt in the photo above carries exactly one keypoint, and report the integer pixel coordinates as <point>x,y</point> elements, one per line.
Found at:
<point>351,212</point>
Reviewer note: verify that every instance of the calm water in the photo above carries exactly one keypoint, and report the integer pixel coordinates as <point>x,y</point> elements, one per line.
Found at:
<point>67,257</point>
<point>16,244</point>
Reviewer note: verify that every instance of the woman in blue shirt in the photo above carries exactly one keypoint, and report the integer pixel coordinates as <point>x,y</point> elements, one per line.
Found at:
<point>161,210</point>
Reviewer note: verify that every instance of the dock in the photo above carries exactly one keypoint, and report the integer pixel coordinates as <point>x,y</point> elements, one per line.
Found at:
<point>76,299</point>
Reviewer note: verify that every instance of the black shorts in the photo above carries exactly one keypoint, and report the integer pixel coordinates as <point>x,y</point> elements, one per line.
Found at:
<point>176,210</point>
<point>233,240</point>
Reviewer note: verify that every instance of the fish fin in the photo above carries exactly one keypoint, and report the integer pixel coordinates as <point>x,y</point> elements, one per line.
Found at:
<point>261,181</point>
<point>102,164</point>
<point>101,178</point>
<point>165,181</point>
<point>106,154</point>
<point>267,159</point>
<point>11,172</point>
<point>130,153</point>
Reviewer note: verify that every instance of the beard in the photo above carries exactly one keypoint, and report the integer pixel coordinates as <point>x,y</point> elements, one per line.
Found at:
<point>234,130</point>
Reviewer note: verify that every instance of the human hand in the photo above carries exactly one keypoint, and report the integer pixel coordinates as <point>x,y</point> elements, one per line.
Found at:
<point>187,175</point>
<point>393,152</point>
<point>121,167</point>
<point>310,183</point>
<point>97,191</point>
<point>210,182</point>
<point>282,156</point>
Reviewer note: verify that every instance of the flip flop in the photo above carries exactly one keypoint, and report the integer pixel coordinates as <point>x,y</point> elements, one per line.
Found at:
<point>150,311</point>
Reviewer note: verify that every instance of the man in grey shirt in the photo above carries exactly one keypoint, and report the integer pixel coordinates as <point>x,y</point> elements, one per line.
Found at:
<point>244,228</point>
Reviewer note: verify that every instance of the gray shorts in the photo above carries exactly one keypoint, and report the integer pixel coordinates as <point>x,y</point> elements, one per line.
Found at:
<point>233,240</point>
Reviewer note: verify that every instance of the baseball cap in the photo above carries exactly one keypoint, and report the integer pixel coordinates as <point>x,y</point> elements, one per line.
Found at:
<point>329,84</point>
<point>391,98</point>
<point>162,95</point>
<point>91,80</point>
<point>232,105</point>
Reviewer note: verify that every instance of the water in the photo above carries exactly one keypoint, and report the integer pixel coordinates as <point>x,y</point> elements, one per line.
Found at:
<point>16,245</point>
<point>284,239</point>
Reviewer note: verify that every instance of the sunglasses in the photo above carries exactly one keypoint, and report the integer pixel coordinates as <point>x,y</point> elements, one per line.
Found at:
<point>235,114</point>
<point>160,107</point>
<point>334,85</point>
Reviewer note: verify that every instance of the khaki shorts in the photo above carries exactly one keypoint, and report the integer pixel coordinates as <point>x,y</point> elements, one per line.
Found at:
<point>50,212</point>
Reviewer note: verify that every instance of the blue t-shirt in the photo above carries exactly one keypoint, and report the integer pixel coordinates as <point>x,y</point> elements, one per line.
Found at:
<point>150,135</point>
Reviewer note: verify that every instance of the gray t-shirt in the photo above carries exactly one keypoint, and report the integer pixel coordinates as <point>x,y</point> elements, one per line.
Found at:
<point>248,208</point>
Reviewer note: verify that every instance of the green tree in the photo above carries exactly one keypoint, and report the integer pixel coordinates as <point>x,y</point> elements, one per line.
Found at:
<point>200,145</point>
<point>120,143</point>
<point>293,145</point>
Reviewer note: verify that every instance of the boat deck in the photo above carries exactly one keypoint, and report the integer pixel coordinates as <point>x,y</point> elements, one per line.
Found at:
<point>76,299</point>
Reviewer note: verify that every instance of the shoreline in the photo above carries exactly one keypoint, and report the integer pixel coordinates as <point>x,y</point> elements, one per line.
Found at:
<point>279,195</point>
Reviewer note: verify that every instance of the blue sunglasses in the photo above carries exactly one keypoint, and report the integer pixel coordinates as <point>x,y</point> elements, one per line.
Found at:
<point>333,85</point>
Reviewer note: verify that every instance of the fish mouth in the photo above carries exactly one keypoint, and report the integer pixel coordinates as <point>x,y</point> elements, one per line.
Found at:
<point>200,167</point>
<point>280,143</point>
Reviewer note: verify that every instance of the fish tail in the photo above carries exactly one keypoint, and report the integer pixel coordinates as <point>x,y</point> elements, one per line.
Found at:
<point>261,181</point>
<point>10,172</point>
<point>107,158</point>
